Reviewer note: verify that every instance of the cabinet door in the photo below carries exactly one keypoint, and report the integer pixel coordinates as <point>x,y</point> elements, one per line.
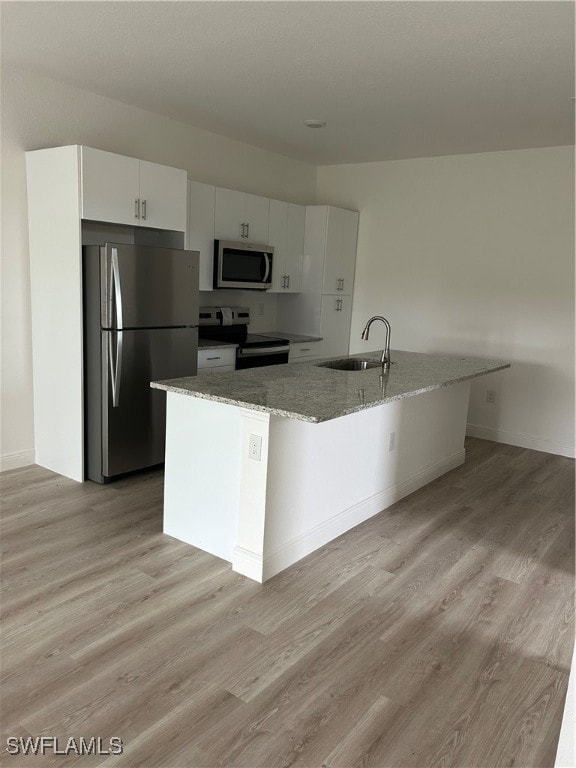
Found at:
<point>110,187</point>
<point>303,351</point>
<point>229,218</point>
<point>162,196</point>
<point>256,213</point>
<point>348,250</point>
<point>277,239</point>
<point>201,229</point>
<point>295,246</point>
<point>332,276</point>
<point>335,325</point>
<point>216,358</point>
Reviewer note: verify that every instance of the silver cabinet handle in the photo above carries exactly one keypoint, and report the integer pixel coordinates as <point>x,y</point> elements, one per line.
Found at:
<point>338,305</point>
<point>342,281</point>
<point>143,209</point>
<point>283,281</point>
<point>242,229</point>
<point>213,358</point>
<point>288,281</point>
<point>136,209</point>
<point>248,230</point>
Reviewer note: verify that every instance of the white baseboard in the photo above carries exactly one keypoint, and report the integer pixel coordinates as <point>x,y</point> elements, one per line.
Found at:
<point>303,545</point>
<point>16,459</point>
<point>522,440</point>
<point>248,563</point>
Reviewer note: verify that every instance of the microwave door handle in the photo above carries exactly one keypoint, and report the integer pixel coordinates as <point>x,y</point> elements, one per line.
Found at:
<point>267,270</point>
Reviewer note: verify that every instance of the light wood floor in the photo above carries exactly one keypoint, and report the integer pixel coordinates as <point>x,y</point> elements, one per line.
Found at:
<point>439,633</point>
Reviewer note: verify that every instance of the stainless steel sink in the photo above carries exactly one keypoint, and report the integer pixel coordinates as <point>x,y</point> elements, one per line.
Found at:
<point>351,364</point>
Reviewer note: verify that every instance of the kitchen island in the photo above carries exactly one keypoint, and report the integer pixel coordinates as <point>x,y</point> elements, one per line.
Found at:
<point>264,466</point>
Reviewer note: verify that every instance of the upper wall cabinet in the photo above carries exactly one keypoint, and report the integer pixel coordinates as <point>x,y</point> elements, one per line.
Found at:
<point>286,235</point>
<point>241,217</point>
<point>330,249</point>
<point>124,190</point>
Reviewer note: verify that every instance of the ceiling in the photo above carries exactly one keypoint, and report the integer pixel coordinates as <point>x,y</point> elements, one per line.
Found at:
<point>392,80</point>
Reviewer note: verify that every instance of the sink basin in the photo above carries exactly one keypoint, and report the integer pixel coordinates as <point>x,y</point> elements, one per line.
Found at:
<point>351,364</point>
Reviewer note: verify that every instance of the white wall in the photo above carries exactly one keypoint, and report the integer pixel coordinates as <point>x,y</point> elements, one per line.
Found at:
<point>474,254</point>
<point>38,112</point>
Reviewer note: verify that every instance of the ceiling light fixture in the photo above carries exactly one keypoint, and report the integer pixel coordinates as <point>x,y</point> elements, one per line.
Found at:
<point>315,123</point>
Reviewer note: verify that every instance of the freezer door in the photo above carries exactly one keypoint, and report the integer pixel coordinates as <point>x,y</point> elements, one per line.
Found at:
<point>134,415</point>
<point>144,287</point>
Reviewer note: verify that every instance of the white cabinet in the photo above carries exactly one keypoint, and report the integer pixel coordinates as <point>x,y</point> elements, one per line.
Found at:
<point>330,249</point>
<point>286,235</point>
<point>124,190</point>
<point>336,315</point>
<point>200,231</point>
<point>220,360</point>
<point>305,350</point>
<point>241,217</point>
<point>162,196</point>
<point>110,186</point>
<point>324,307</point>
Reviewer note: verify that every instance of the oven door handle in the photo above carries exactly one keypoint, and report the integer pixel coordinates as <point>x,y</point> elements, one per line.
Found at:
<point>262,351</point>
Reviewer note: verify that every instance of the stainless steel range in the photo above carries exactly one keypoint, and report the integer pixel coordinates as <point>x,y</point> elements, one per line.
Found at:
<point>230,324</point>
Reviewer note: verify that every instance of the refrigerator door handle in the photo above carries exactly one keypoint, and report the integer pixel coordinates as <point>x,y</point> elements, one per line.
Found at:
<point>117,290</point>
<point>115,367</point>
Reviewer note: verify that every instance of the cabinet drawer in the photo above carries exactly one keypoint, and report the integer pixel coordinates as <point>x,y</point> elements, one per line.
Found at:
<point>303,350</point>
<point>214,358</point>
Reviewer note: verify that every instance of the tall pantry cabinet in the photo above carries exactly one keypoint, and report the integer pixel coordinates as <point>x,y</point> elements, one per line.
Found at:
<point>324,307</point>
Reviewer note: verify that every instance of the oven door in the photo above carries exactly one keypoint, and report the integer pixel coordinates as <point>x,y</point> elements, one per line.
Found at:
<point>241,265</point>
<point>255,357</point>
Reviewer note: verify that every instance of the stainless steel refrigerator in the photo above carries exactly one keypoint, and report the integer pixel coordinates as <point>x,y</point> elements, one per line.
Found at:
<point>140,325</point>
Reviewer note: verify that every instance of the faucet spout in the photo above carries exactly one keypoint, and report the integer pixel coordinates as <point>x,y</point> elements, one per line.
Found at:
<point>385,357</point>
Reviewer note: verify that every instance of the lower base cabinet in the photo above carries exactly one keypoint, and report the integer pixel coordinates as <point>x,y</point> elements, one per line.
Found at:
<point>216,361</point>
<point>303,351</point>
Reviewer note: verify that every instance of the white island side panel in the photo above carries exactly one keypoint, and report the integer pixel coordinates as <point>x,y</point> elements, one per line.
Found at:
<point>324,479</point>
<point>202,473</point>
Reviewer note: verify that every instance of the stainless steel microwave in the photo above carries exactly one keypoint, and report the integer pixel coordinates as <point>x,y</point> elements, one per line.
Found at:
<point>242,265</point>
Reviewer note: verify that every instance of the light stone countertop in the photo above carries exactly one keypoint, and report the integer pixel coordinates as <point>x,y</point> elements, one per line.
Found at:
<point>311,393</point>
<point>293,338</point>
<point>209,344</point>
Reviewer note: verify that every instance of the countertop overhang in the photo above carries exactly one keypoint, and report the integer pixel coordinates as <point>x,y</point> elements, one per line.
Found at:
<point>310,392</point>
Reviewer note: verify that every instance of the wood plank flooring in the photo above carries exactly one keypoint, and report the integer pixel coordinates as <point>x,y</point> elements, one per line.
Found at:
<point>437,634</point>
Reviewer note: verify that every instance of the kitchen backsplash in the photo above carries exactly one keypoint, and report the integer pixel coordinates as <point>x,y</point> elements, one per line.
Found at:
<point>262,305</point>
